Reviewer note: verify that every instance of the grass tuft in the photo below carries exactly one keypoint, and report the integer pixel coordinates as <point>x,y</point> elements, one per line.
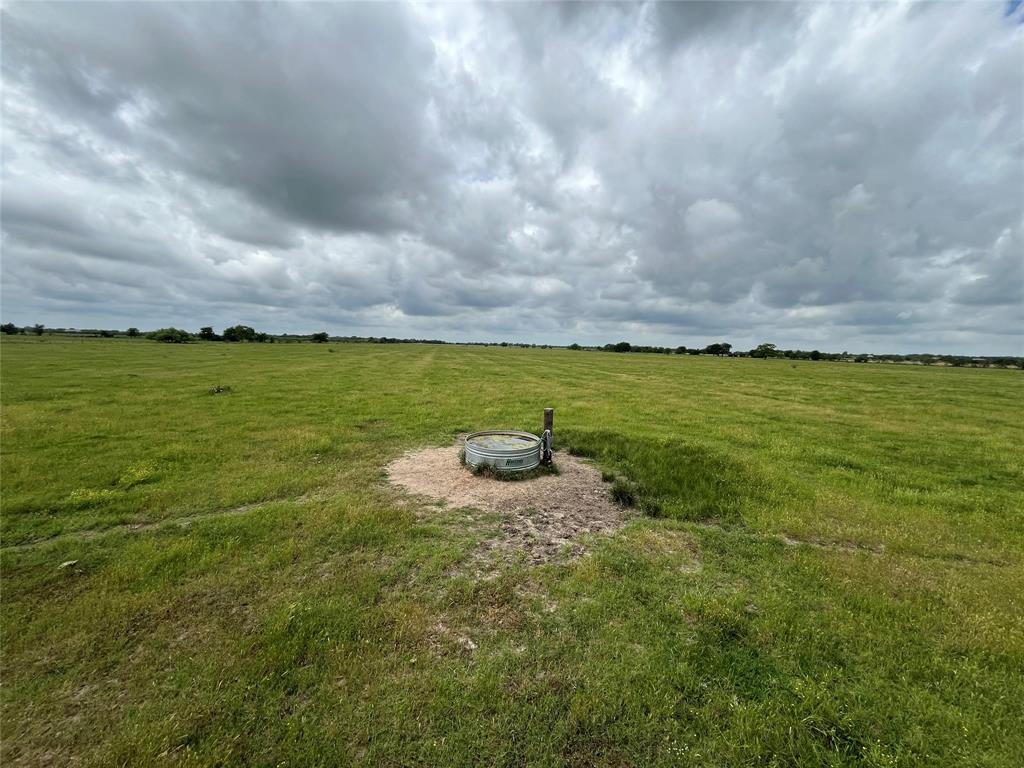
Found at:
<point>486,470</point>
<point>623,492</point>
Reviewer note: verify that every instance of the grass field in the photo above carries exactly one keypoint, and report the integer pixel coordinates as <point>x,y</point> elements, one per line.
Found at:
<point>831,570</point>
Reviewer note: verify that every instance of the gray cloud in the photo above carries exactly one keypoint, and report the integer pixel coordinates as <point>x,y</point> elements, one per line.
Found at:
<point>839,176</point>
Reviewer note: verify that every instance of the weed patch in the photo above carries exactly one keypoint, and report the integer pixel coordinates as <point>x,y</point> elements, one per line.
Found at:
<point>85,498</point>
<point>137,474</point>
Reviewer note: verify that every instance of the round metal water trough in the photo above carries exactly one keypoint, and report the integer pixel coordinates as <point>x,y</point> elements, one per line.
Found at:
<point>505,451</point>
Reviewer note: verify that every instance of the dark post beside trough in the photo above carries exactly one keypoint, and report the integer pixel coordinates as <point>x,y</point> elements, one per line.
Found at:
<point>549,426</point>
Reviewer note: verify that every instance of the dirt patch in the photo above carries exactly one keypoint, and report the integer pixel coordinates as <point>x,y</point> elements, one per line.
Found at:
<point>543,517</point>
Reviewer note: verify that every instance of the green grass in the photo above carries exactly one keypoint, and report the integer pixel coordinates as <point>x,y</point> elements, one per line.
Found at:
<point>830,572</point>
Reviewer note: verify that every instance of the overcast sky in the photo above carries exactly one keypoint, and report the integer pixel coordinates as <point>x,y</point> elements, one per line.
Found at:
<point>833,176</point>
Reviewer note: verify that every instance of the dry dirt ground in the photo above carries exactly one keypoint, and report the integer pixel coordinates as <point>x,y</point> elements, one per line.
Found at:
<point>543,517</point>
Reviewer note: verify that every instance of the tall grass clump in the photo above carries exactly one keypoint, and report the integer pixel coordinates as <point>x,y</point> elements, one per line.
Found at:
<point>674,478</point>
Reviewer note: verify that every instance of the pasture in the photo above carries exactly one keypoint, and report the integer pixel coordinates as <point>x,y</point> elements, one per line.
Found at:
<point>826,567</point>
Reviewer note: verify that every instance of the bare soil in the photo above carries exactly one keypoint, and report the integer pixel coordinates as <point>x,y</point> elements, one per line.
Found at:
<point>543,517</point>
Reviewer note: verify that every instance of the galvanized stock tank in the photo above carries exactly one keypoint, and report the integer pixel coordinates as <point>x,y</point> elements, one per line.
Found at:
<point>506,451</point>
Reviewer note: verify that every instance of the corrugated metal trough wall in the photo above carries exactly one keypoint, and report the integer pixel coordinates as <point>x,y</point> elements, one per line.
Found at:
<point>506,451</point>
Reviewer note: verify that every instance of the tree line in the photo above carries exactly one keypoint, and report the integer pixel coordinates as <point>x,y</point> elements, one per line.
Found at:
<point>234,333</point>
<point>767,351</point>
<point>245,333</point>
<point>171,335</point>
<point>11,329</point>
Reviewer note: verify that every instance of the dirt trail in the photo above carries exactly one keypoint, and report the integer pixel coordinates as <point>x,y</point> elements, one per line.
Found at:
<point>182,521</point>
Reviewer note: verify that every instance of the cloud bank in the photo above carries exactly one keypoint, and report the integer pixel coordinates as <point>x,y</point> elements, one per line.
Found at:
<point>822,175</point>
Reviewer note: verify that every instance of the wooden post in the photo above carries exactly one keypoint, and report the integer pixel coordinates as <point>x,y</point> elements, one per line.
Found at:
<point>549,428</point>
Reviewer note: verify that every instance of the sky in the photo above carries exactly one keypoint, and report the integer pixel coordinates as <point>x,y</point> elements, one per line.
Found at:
<point>840,176</point>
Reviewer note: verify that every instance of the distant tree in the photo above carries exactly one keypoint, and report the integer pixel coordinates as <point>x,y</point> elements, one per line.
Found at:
<point>815,354</point>
<point>170,336</point>
<point>133,332</point>
<point>239,333</point>
<point>38,329</point>
<point>206,333</point>
<point>320,338</point>
<point>574,345</point>
<point>763,350</point>
<point>721,348</point>
<point>622,346</point>
<point>262,337</point>
<point>107,334</point>
<point>680,350</point>
<point>10,329</point>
